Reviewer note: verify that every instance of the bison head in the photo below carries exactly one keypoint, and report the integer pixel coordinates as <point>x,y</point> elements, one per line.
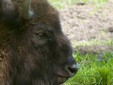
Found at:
<point>38,53</point>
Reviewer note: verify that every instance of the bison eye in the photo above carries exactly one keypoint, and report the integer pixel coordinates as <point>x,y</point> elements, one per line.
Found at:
<point>41,35</point>
<point>39,39</point>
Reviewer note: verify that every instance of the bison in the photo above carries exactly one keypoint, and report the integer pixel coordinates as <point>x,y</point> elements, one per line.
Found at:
<point>33,48</point>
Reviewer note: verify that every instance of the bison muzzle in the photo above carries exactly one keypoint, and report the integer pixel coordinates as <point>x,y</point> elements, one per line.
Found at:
<point>33,48</point>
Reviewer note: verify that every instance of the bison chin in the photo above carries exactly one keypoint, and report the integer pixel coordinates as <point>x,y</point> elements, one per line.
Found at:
<point>46,80</point>
<point>50,76</point>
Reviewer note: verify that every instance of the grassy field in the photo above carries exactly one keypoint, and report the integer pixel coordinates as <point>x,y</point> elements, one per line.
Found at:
<point>94,69</point>
<point>61,3</point>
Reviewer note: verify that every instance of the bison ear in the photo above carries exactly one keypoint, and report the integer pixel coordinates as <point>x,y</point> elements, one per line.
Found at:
<point>6,6</point>
<point>22,7</point>
<point>7,12</point>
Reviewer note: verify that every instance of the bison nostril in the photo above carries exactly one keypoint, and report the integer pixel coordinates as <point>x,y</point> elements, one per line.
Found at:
<point>72,69</point>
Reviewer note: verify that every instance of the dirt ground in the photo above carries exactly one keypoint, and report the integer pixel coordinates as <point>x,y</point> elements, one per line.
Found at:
<point>87,22</point>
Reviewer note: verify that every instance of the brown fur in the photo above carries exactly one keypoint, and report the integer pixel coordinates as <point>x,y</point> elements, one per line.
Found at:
<point>32,52</point>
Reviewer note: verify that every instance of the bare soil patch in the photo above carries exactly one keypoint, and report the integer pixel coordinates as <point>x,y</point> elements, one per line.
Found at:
<point>86,22</point>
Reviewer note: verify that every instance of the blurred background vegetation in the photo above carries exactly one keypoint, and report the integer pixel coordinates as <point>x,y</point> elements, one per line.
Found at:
<point>61,3</point>
<point>94,68</point>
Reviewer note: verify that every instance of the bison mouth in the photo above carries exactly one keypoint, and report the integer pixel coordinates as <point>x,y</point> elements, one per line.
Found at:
<point>62,79</point>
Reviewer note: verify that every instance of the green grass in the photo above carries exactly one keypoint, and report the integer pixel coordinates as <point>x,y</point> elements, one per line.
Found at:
<point>108,42</point>
<point>94,1</point>
<point>61,3</point>
<point>93,69</point>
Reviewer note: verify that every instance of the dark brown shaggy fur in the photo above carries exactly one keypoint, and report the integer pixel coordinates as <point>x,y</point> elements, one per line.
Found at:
<point>35,51</point>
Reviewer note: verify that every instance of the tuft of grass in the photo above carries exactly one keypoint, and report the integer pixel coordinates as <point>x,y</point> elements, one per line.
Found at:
<point>108,42</point>
<point>57,3</point>
<point>93,69</point>
<point>94,1</point>
<point>61,3</point>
